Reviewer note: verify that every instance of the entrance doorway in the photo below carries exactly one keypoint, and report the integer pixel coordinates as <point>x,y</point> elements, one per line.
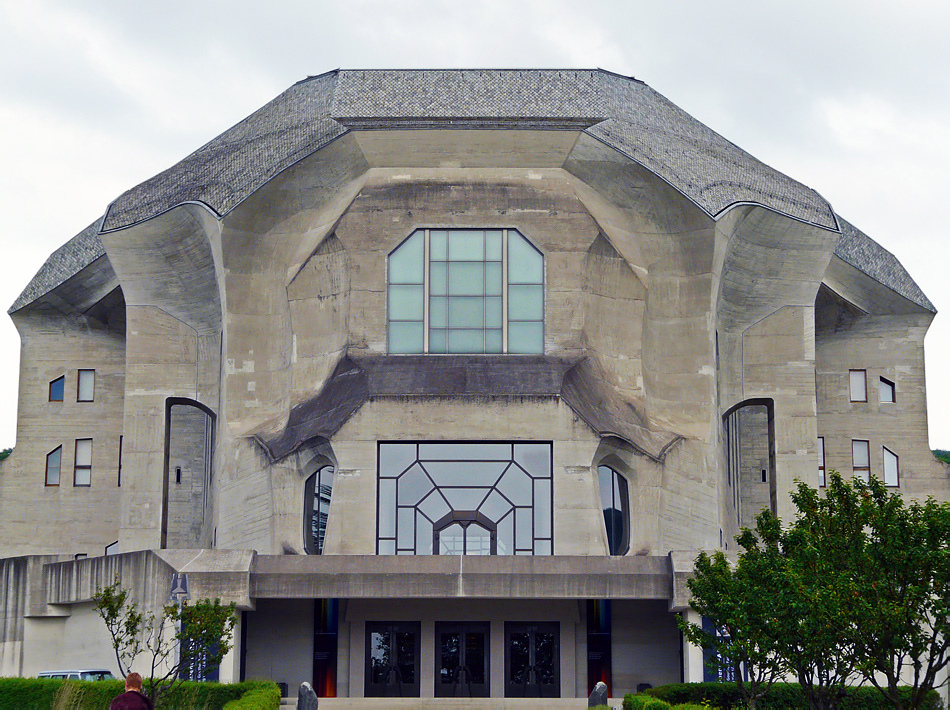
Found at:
<point>532,660</point>
<point>462,668</point>
<point>392,659</point>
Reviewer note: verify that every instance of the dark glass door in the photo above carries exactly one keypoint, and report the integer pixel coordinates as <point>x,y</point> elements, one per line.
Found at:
<point>392,659</point>
<point>532,660</point>
<point>462,669</point>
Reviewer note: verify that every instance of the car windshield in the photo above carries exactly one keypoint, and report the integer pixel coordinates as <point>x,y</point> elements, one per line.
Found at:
<point>97,675</point>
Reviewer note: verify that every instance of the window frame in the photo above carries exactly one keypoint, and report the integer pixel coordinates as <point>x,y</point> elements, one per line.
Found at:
<point>619,492</point>
<point>891,386</point>
<point>62,394</point>
<point>858,470</point>
<point>77,467</point>
<point>427,295</point>
<point>79,378</point>
<point>313,483</point>
<point>864,374</point>
<point>897,468</point>
<point>59,468</point>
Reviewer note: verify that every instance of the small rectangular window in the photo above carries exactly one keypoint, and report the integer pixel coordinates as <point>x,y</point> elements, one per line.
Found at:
<point>891,468</point>
<point>87,385</point>
<point>57,388</point>
<point>112,548</point>
<point>82,473</point>
<point>859,386</point>
<point>80,556</point>
<point>888,391</point>
<point>821,461</point>
<point>861,459</point>
<point>53,461</point>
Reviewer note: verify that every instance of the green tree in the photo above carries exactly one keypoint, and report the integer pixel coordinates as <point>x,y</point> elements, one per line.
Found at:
<point>4,453</point>
<point>901,603</point>
<point>175,642</point>
<point>740,600</point>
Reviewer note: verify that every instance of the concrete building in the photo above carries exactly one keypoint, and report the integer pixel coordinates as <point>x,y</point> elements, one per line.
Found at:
<point>444,377</point>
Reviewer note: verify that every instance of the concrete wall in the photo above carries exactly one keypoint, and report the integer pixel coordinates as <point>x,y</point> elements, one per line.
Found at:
<point>279,642</point>
<point>644,647</point>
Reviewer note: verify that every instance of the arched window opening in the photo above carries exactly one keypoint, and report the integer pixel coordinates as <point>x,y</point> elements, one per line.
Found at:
<point>616,507</point>
<point>466,291</point>
<point>464,533</point>
<point>318,490</point>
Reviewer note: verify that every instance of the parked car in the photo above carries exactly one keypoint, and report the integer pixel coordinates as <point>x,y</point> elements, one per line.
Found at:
<point>80,674</point>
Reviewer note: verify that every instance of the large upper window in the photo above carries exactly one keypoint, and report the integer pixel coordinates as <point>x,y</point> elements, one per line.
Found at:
<point>466,291</point>
<point>614,501</point>
<point>470,498</point>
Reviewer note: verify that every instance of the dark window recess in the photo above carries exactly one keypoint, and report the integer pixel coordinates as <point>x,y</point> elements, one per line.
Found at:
<point>317,493</point>
<point>599,661</point>
<point>56,389</point>
<point>119,474</point>
<point>178,474</point>
<point>392,659</point>
<point>615,504</point>
<point>765,476</point>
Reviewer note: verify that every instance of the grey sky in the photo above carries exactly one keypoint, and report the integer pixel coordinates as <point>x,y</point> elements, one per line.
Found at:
<point>851,98</point>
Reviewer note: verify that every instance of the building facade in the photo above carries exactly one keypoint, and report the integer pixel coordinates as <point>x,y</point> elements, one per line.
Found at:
<point>444,377</point>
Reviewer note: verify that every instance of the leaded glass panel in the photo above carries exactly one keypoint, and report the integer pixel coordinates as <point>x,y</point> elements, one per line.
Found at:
<point>503,489</point>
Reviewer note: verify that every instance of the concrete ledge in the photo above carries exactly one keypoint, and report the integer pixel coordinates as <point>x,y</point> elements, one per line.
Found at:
<point>407,577</point>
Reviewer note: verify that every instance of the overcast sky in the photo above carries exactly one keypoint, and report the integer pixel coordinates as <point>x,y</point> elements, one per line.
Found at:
<point>850,98</point>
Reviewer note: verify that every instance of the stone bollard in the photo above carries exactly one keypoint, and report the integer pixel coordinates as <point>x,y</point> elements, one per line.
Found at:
<point>306,698</point>
<point>599,696</point>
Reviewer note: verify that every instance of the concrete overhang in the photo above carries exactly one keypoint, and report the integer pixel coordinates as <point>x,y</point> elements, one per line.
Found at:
<point>442,577</point>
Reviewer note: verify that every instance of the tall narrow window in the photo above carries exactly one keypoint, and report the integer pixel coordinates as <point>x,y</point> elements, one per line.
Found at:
<point>859,385</point>
<point>317,492</point>
<point>54,460</point>
<point>821,461</point>
<point>861,459</point>
<point>891,468</point>
<point>613,499</point>
<point>466,291</point>
<point>82,474</point>
<point>87,385</point>
<point>888,391</point>
<point>57,388</point>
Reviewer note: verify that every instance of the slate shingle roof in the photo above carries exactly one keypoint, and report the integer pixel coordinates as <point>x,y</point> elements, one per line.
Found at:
<point>622,112</point>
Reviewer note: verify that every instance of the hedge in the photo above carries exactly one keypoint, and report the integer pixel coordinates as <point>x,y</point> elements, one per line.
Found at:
<point>50,694</point>
<point>781,696</point>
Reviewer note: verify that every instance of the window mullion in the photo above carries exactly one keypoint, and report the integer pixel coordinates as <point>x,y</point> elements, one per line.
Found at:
<point>504,290</point>
<point>425,295</point>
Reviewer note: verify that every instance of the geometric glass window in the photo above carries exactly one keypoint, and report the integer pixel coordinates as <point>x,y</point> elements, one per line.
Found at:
<point>317,494</point>
<point>464,498</point>
<point>56,389</point>
<point>888,391</point>
<point>891,468</point>
<point>466,291</point>
<point>87,385</point>
<point>614,501</point>
<point>861,459</point>
<point>54,460</point>
<point>821,461</point>
<point>858,385</point>
<point>83,469</point>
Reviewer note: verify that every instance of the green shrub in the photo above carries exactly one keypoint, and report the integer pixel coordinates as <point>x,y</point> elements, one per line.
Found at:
<point>643,702</point>
<point>262,698</point>
<point>781,696</point>
<point>49,694</point>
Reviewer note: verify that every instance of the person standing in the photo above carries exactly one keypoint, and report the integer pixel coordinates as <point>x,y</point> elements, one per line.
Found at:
<point>133,698</point>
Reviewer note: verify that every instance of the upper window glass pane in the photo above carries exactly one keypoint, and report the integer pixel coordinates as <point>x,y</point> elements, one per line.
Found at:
<point>505,487</point>
<point>890,468</point>
<point>613,499</point>
<point>56,389</point>
<point>859,391</point>
<point>53,462</point>
<point>887,389</point>
<point>318,489</point>
<point>447,293</point>
<point>87,384</point>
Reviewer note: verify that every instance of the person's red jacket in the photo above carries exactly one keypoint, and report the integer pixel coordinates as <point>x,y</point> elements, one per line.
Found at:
<point>131,700</point>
